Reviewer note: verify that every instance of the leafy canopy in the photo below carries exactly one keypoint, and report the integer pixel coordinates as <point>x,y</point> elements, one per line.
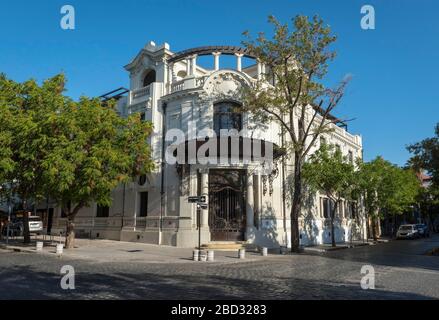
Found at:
<point>330,172</point>
<point>426,156</point>
<point>74,152</point>
<point>387,187</point>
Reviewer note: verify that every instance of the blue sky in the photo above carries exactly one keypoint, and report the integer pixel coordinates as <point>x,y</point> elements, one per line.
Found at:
<point>393,95</point>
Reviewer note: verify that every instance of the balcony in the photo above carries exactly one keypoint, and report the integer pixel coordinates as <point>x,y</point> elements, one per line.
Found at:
<point>140,95</point>
<point>187,83</point>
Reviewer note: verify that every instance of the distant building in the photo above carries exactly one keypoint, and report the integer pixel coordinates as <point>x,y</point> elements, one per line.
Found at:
<point>424,179</point>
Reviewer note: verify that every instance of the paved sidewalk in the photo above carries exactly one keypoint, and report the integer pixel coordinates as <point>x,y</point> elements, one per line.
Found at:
<point>117,251</point>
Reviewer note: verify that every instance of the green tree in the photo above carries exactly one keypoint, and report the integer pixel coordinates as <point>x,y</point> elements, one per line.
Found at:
<point>386,187</point>
<point>92,151</point>
<point>426,156</point>
<point>331,173</point>
<point>428,200</point>
<point>296,62</point>
<point>25,108</point>
<point>74,152</point>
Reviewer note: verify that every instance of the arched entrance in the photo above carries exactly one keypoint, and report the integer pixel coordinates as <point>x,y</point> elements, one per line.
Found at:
<point>227,205</point>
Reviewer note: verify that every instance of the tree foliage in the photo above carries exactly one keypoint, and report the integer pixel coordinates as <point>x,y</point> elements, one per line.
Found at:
<point>386,188</point>
<point>296,59</point>
<point>331,173</point>
<point>426,156</point>
<point>76,153</point>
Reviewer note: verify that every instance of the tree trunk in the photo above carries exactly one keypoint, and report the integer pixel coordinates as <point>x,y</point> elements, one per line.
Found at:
<point>26,233</point>
<point>374,229</point>
<point>296,205</point>
<point>70,233</point>
<point>332,226</point>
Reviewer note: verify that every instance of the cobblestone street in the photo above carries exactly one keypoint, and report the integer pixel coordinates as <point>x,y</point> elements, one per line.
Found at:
<point>403,271</point>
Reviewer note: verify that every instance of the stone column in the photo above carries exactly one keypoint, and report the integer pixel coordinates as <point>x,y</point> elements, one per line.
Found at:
<point>188,66</point>
<point>193,64</point>
<point>250,207</point>
<point>170,73</point>
<point>216,56</point>
<point>259,70</point>
<point>170,76</point>
<point>205,192</point>
<point>239,61</point>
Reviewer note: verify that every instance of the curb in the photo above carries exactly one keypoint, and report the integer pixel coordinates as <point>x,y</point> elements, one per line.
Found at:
<point>324,250</point>
<point>25,250</point>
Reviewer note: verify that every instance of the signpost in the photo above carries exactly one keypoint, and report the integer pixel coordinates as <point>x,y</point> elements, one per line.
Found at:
<point>201,204</point>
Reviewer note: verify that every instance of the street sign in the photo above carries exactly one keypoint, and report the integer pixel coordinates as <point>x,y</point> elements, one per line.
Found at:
<point>194,199</point>
<point>202,206</point>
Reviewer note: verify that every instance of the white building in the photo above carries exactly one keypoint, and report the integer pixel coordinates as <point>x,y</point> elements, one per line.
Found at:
<point>172,91</point>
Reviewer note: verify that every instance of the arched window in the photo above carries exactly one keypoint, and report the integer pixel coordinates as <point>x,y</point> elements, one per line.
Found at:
<point>149,78</point>
<point>225,116</point>
<point>181,74</point>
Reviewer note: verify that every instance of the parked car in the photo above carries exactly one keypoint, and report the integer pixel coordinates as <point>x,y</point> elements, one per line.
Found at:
<point>16,227</point>
<point>407,231</point>
<point>423,230</point>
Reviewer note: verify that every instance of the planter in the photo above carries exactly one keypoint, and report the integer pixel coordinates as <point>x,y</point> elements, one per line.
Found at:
<point>210,255</point>
<point>59,249</point>
<point>196,255</point>
<point>39,246</point>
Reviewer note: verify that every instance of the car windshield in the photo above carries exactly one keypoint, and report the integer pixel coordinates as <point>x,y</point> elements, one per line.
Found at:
<point>34,219</point>
<point>405,228</point>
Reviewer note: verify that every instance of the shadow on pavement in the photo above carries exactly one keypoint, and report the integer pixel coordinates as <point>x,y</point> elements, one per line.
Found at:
<point>24,282</point>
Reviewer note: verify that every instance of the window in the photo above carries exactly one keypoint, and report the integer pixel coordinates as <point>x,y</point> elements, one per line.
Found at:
<point>353,206</point>
<point>337,148</point>
<point>143,116</point>
<point>347,210</point>
<point>325,208</point>
<point>351,157</point>
<point>143,204</point>
<point>351,210</point>
<point>340,209</point>
<point>225,117</point>
<point>331,207</point>
<point>327,205</point>
<point>102,212</point>
<point>181,74</point>
<point>149,78</point>
<point>322,141</point>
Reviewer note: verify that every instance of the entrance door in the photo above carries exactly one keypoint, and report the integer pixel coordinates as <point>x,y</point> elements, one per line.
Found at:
<point>227,205</point>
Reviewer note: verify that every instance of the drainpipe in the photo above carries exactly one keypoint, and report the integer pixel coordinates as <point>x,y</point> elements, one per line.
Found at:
<point>162,184</point>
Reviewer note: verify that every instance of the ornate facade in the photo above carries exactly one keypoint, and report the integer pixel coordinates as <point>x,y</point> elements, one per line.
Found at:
<point>245,201</point>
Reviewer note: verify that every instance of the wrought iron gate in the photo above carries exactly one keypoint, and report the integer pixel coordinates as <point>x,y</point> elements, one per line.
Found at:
<point>226,206</point>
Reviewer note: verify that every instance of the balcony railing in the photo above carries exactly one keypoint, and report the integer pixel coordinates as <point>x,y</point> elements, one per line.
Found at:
<point>188,83</point>
<point>177,86</point>
<point>141,93</point>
